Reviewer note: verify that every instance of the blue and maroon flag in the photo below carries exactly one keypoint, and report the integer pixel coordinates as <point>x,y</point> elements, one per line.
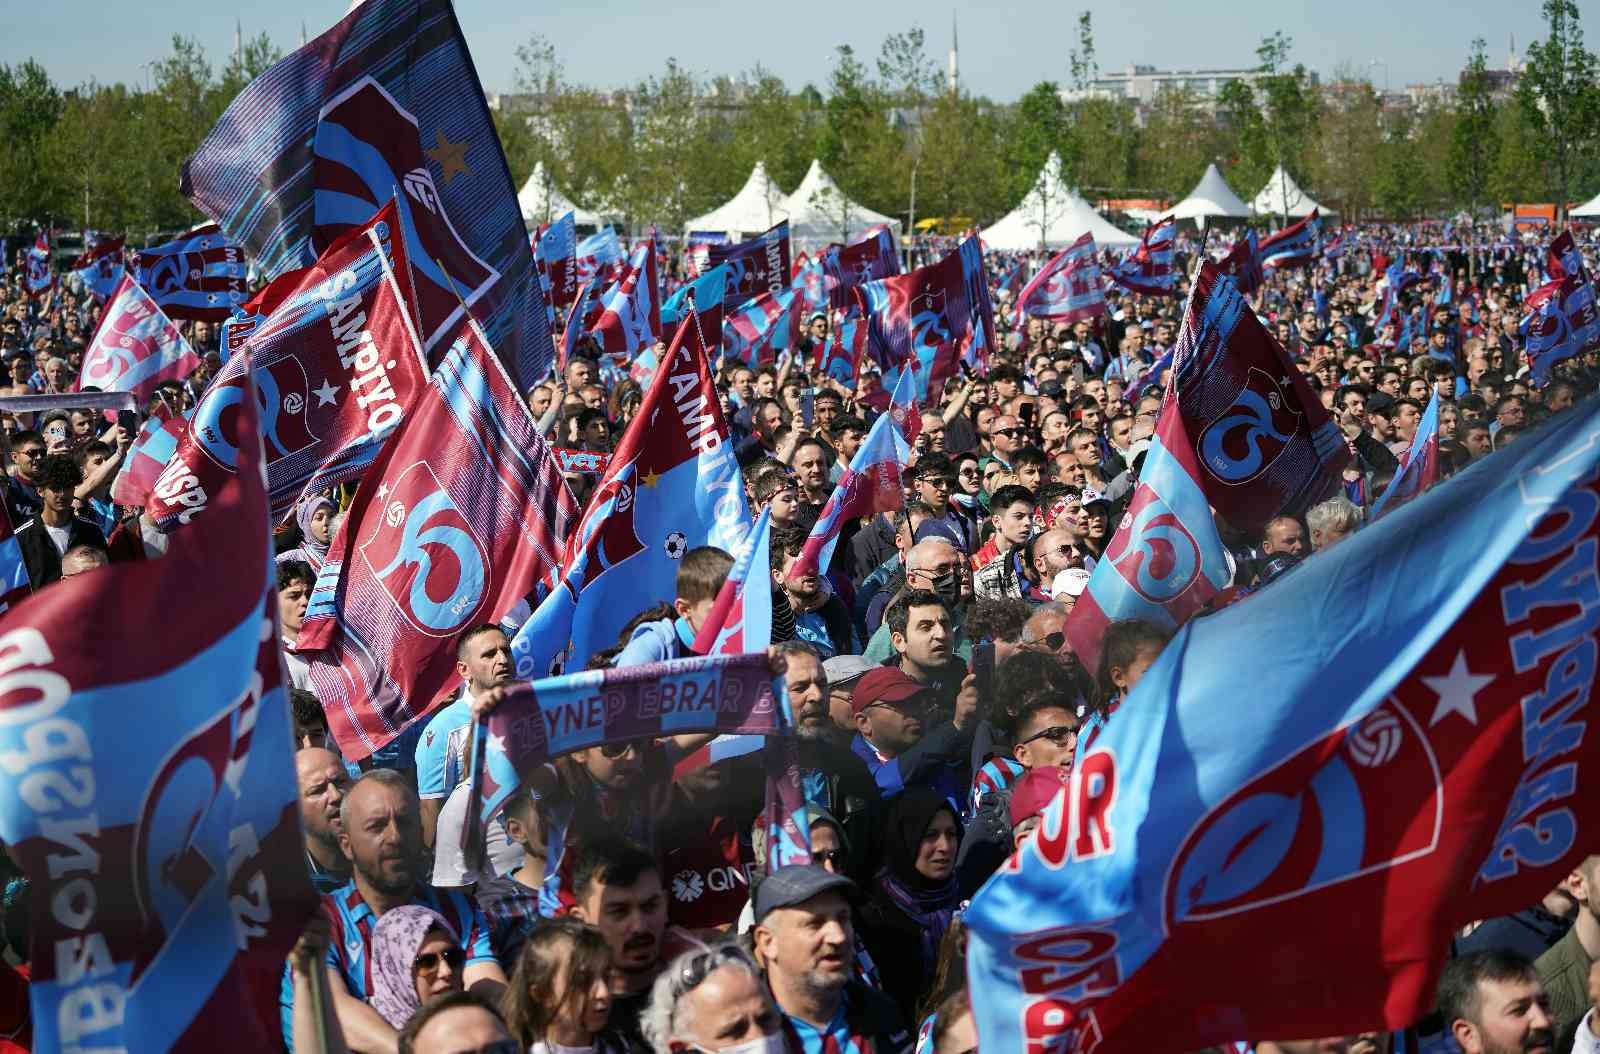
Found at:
<point>1151,268</point>
<point>755,266</point>
<point>40,277</point>
<point>1165,559</point>
<point>336,365</point>
<point>147,456</point>
<point>1419,465</point>
<point>1334,248</point>
<point>462,512</point>
<point>741,618</point>
<point>1414,762</point>
<point>812,281</point>
<point>757,330</point>
<point>1563,260</point>
<point>840,356</point>
<point>869,486</point>
<point>1562,321</point>
<point>15,584</point>
<point>1066,289</point>
<point>597,255</point>
<point>1266,444</point>
<point>101,268</point>
<point>201,275</point>
<point>1243,264</point>
<point>867,259</point>
<point>161,828</point>
<point>630,310</point>
<point>704,295</point>
<point>1294,246</point>
<point>1014,279</point>
<point>135,348</point>
<point>673,484</point>
<point>386,104</point>
<point>556,254</point>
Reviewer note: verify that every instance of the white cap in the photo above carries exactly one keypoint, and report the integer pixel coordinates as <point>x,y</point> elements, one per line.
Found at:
<point>1069,583</point>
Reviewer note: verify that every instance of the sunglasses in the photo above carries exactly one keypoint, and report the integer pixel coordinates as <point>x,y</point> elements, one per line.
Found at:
<point>1060,735</point>
<point>1048,642</point>
<point>938,482</point>
<point>1012,432</point>
<point>828,856</point>
<point>700,966</point>
<point>428,962</point>
<point>616,750</point>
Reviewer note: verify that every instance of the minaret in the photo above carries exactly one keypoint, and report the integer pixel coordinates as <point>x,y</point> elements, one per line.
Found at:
<point>302,32</point>
<point>1511,56</point>
<point>238,43</point>
<point>954,78</point>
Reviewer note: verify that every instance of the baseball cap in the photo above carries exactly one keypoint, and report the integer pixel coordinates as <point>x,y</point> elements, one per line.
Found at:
<point>845,670</point>
<point>886,684</point>
<point>1378,402</point>
<point>1069,583</point>
<point>1051,388</point>
<point>943,530</point>
<point>796,884</point>
<point>1034,791</point>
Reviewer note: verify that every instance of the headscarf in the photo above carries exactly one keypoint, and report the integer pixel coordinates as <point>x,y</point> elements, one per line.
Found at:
<point>396,939</point>
<point>312,551</point>
<point>928,903</point>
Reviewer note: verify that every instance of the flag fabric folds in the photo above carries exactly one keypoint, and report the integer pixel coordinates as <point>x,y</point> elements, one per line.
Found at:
<point>869,486</point>
<point>1419,465</point>
<point>864,260</point>
<point>704,296</point>
<point>1150,268</point>
<point>1414,763</point>
<point>1294,246</point>
<point>556,254</point>
<point>201,275</point>
<point>630,310</point>
<point>757,330</point>
<point>335,367</point>
<point>147,456</point>
<point>741,618</point>
<point>171,849</point>
<point>40,277</point>
<point>101,268</point>
<point>385,104</point>
<point>1165,558</point>
<point>673,484</point>
<point>136,347</point>
<point>460,514</point>
<point>1266,446</point>
<point>1243,264</point>
<point>15,584</point>
<point>1066,289</point>
<point>1563,319</point>
<point>597,255</point>
<point>755,266</point>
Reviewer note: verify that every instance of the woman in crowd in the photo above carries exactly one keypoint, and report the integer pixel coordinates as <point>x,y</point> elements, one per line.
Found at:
<point>314,516</point>
<point>416,956</point>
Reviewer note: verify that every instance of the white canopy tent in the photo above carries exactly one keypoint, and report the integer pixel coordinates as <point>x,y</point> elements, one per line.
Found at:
<point>1054,214</point>
<point>541,202</point>
<point>1283,196</point>
<point>820,213</point>
<point>1211,199</point>
<point>1589,209</point>
<point>758,206</point>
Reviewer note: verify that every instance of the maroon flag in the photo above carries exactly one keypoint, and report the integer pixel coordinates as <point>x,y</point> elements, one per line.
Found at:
<point>135,348</point>
<point>1266,446</point>
<point>755,266</point>
<point>1067,288</point>
<point>860,262</point>
<point>1563,260</point>
<point>462,512</point>
<point>201,275</point>
<point>1243,264</point>
<point>1152,268</point>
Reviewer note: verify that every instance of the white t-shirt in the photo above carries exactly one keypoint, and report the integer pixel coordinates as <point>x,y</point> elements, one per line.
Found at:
<point>58,535</point>
<point>503,856</point>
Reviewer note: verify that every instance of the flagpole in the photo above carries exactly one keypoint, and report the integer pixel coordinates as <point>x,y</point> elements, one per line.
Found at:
<point>317,989</point>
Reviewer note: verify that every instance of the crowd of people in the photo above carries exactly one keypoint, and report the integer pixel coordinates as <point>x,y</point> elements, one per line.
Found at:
<point>938,704</point>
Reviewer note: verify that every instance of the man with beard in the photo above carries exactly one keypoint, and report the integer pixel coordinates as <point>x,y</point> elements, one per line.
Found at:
<point>820,617</point>
<point>483,659</point>
<point>1492,1003</point>
<point>1564,969</point>
<point>834,778</point>
<point>805,936</point>
<point>381,836</point>
<point>898,735</point>
<point>323,782</point>
<point>617,886</point>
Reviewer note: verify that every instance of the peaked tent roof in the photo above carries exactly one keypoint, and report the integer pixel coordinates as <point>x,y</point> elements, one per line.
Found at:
<point>1055,210</point>
<point>1282,195</point>
<point>541,202</point>
<point>1588,208</point>
<point>1211,197</point>
<point>758,206</point>
<point>817,207</point>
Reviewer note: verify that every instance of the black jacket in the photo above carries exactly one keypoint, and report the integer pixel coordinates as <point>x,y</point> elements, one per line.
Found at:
<point>39,553</point>
<point>848,791</point>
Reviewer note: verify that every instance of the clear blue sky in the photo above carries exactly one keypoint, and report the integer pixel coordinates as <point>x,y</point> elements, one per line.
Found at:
<point>1005,46</point>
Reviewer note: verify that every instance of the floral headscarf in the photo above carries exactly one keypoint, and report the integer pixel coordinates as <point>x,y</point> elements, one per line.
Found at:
<point>396,939</point>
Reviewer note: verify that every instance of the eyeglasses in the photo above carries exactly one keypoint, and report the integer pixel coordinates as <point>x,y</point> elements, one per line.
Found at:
<point>428,962</point>
<point>1060,735</point>
<point>701,966</point>
<point>1012,432</point>
<point>938,482</point>
<point>32,452</point>
<point>1048,642</point>
<point>616,750</point>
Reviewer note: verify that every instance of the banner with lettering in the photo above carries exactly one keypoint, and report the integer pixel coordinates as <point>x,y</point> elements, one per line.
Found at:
<point>755,266</point>
<point>135,348</point>
<point>335,367</point>
<point>1416,760</point>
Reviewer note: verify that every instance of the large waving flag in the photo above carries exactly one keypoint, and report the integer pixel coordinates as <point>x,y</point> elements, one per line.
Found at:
<point>1562,321</point>
<point>1066,289</point>
<point>336,366</point>
<point>136,348</point>
<point>1419,465</point>
<point>755,266</point>
<point>630,311</point>
<point>1415,761</point>
<point>101,268</point>
<point>151,798</point>
<point>147,456</point>
<point>385,104</point>
<point>756,331</point>
<point>1294,246</point>
<point>867,259</point>
<point>702,296</point>
<point>869,486</point>
<point>462,512</point>
<point>40,277</point>
<point>1243,264</point>
<point>201,275</point>
<point>556,254</point>
<point>1165,559</point>
<point>1265,443</point>
<point>1151,268</point>
<point>673,484</point>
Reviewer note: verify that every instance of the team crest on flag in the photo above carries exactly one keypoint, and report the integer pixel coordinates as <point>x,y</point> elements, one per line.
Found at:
<point>1252,433</point>
<point>198,276</point>
<point>136,347</point>
<point>425,555</point>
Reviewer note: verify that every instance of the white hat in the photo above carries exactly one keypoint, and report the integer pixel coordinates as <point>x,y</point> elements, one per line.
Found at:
<point>1069,583</point>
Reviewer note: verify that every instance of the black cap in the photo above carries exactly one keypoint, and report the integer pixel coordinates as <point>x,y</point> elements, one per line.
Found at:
<point>1051,388</point>
<point>788,886</point>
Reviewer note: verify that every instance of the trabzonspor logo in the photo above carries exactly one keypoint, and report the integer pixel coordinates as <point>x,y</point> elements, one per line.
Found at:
<point>929,326</point>
<point>1359,800</point>
<point>1153,550</point>
<point>425,555</point>
<point>281,389</point>
<point>1252,433</point>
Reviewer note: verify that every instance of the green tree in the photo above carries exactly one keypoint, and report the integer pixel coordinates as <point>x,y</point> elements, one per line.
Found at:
<point>1179,140</point>
<point>1345,154</point>
<point>1040,126</point>
<point>1559,99</point>
<point>1472,143</point>
<point>1399,189</point>
<point>30,107</point>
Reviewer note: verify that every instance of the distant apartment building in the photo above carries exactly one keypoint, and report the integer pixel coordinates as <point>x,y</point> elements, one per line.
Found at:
<point>1140,85</point>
